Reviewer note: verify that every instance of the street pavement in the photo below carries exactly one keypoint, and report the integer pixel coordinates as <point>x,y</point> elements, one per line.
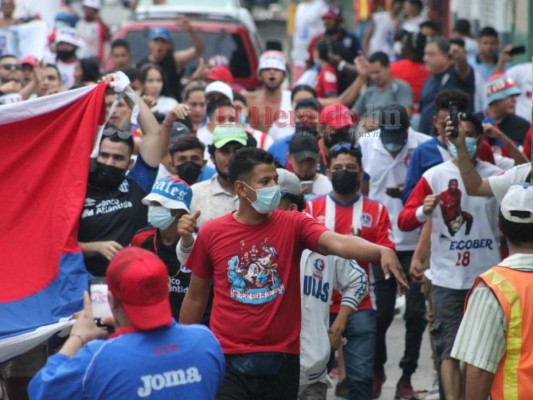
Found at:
<point>421,380</point>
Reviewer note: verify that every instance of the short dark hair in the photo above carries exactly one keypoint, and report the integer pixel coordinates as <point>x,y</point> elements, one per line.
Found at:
<point>212,105</point>
<point>417,3</point>
<point>515,232</point>
<point>244,162</point>
<point>132,73</point>
<point>488,31</point>
<point>353,151</point>
<point>299,200</point>
<point>462,26</point>
<point>431,25</point>
<point>302,88</point>
<point>239,97</point>
<point>443,44</point>
<point>120,43</point>
<point>116,139</point>
<point>379,57</point>
<point>474,120</point>
<point>442,100</point>
<point>90,69</point>
<point>186,142</point>
<point>309,103</point>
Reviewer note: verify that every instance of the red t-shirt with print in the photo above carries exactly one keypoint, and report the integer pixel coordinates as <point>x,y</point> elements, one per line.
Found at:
<point>256,275</point>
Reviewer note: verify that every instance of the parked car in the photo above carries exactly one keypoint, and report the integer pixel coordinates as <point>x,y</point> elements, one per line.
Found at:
<point>230,32</point>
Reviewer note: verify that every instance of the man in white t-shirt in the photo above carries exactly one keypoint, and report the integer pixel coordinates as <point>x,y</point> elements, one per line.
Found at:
<point>386,154</point>
<point>303,157</point>
<point>380,33</point>
<point>464,241</point>
<point>92,31</point>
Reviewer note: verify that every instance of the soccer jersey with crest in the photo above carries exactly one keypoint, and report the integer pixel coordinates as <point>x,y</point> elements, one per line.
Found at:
<point>365,218</point>
<point>464,236</point>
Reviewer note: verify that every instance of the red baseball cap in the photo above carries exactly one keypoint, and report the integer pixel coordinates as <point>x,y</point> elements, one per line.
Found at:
<point>337,116</point>
<point>29,60</point>
<point>220,73</point>
<point>139,280</point>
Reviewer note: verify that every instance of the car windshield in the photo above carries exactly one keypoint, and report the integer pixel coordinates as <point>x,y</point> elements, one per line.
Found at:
<point>216,43</point>
<point>199,3</point>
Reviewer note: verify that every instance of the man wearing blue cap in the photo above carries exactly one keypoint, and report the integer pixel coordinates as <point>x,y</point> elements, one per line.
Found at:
<point>172,61</point>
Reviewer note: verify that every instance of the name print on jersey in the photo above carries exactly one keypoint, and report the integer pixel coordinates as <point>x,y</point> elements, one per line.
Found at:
<point>314,285</point>
<point>253,275</point>
<point>168,379</point>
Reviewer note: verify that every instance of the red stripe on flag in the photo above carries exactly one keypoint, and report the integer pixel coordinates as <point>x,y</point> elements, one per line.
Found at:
<point>44,162</point>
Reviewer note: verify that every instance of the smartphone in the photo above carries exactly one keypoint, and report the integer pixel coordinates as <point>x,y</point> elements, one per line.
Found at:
<point>454,116</point>
<point>517,50</point>
<point>98,293</point>
<point>307,187</point>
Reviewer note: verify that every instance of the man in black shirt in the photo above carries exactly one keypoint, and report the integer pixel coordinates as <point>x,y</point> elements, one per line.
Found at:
<point>168,201</point>
<point>172,61</point>
<point>113,211</point>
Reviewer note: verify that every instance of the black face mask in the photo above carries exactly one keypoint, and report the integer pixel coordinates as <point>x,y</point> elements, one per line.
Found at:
<point>345,182</point>
<point>338,137</point>
<point>66,55</point>
<point>189,172</point>
<point>307,128</point>
<point>333,31</point>
<point>106,176</point>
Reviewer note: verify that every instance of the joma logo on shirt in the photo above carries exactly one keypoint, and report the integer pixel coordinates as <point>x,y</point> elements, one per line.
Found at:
<point>168,379</point>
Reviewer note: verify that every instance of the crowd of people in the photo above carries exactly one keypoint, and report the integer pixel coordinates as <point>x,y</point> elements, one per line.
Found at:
<point>287,220</point>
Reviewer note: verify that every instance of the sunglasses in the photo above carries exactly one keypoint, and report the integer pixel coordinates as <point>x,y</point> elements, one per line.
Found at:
<point>124,135</point>
<point>11,67</point>
<point>340,146</point>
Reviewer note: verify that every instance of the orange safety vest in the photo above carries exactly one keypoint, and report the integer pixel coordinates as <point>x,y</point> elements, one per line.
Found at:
<point>514,291</point>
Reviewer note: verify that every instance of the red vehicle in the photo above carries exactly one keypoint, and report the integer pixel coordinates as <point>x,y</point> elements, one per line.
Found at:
<point>220,36</point>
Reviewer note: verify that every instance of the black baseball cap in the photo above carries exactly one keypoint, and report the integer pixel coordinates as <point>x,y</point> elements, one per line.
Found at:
<point>304,146</point>
<point>394,124</point>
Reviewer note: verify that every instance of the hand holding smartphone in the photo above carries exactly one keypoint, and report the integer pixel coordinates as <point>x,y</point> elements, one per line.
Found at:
<point>98,292</point>
<point>454,116</point>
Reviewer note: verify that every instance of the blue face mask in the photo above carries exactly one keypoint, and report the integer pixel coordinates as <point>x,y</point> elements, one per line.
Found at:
<point>160,217</point>
<point>471,148</point>
<point>267,199</point>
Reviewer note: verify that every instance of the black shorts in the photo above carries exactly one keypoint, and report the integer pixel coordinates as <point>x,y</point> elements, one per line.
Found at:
<point>448,309</point>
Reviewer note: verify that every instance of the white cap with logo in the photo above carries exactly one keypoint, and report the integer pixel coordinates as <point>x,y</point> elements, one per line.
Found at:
<point>517,204</point>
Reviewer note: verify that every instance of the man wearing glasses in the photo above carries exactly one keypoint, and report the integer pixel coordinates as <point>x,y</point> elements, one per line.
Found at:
<point>10,75</point>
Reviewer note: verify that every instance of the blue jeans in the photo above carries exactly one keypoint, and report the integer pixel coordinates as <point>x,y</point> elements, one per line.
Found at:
<point>360,334</point>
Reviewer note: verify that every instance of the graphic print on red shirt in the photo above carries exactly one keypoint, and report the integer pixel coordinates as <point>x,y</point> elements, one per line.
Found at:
<point>452,214</point>
<point>256,274</point>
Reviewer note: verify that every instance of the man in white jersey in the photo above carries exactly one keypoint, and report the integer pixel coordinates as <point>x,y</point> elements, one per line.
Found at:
<point>319,275</point>
<point>464,242</point>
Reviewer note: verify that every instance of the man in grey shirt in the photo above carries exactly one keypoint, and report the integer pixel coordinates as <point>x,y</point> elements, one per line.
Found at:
<point>385,90</point>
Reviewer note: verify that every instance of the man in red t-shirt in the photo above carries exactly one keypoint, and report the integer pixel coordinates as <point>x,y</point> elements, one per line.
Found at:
<point>252,258</point>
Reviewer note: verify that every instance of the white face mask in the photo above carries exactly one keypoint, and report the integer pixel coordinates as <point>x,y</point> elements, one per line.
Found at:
<point>160,217</point>
<point>267,199</point>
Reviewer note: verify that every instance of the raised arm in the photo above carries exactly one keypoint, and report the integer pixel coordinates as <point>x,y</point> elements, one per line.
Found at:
<point>183,57</point>
<point>474,185</point>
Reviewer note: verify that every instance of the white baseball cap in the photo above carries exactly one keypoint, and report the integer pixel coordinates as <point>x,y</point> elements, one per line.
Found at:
<point>288,182</point>
<point>219,87</point>
<point>67,35</point>
<point>96,4</point>
<point>272,59</point>
<point>517,204</point>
